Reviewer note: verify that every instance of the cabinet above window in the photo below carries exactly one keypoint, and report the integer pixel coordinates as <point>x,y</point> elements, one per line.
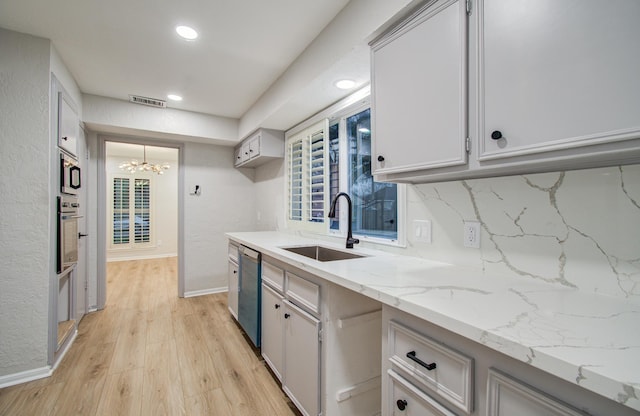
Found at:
<point>260,147</point>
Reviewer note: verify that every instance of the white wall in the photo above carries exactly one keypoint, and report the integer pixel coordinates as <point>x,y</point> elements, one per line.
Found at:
<point>270,196</point>
<point>26,203</point>
<point>108,115</point>
<point>164,197</point>
<point>226,203</point>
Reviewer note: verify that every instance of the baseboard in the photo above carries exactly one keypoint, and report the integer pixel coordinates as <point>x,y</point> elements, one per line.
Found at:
<point>203,292</point>
<point>24,376</point>
<point>143,257</point>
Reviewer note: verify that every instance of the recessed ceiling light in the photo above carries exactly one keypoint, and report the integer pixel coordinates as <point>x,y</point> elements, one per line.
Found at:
<point>187,32</point>
<point>345,84</point>
<point>174,97</point>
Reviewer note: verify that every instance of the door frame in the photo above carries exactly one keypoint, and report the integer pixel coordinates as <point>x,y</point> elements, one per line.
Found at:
<point>102,204</point>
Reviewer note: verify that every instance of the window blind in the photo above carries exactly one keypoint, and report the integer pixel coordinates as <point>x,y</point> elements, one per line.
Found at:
<point>316,171</point>
<point>120,211</point>
<point>295,150</point>
<point>141,211</point>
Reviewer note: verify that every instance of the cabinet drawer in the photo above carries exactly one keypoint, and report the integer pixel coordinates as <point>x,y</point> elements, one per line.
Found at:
<point>507,396</point>
<point>438,368</point>
<point>233,252</point>
<point>274,276</point>
<point>407,400</point>
<point>303,292</point>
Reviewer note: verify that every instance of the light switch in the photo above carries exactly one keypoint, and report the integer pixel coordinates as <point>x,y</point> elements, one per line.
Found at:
<point>422,231</point>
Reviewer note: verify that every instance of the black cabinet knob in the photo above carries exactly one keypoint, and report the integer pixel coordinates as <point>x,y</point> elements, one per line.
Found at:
<point>380,158</point>
<point>402,404</point>
<point>496,135</point>
<point>276,306</point>
<point>286,316</point>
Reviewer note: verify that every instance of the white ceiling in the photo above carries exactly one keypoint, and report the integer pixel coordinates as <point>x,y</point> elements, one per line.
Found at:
<point>119,47</point>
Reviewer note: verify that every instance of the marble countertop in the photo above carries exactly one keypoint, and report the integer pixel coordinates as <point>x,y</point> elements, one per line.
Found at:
<point>586,339</point>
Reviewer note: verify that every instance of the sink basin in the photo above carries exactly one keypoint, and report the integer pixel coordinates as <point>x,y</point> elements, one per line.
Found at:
<point>321,253</point>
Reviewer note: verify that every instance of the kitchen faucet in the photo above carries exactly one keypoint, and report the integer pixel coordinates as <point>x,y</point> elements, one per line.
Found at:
<point>332,214</point>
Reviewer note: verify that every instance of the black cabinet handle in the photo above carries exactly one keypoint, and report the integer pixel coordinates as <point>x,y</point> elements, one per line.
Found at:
<point>65,138</point>
<point>380,158</point>
<point>402,404</point>
<point>80,235</point>
<point>412,356</point>
<point>286,316</point>
<point>496,135</point>
<point>235,272</point>
<point>276,306</point>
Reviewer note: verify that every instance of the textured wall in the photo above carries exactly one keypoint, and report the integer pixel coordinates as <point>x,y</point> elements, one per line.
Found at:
<point>25,203</point>
<point>227,203</point>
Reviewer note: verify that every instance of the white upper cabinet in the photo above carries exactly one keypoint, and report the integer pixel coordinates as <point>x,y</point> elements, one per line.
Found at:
<point>419,83</point>
<point>68,124</point>
<point>552,86</point>
<point>260,147</point>
<point>557,74</point>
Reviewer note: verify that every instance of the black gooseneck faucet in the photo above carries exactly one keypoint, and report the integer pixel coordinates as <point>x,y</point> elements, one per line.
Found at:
<point>332,214</point>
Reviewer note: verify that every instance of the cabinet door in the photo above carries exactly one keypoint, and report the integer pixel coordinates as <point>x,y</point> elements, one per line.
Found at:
<point>237,155</point>
<point>272,329</point>
<point>556,74</point>
<point>232,294</point>
<point>301,379</point>
<point>419,82</point>
<point>254,146</point>
<point>244,152</point>
<point>68,124</point>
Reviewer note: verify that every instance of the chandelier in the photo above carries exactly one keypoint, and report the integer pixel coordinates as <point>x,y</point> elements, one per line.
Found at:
<point>134,166</point>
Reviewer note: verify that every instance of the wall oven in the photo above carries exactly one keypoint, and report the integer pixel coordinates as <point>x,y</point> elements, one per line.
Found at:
<point>68,210</point>
<point>69,175</point>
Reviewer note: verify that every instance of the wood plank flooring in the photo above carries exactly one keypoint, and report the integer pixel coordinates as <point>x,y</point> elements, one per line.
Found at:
<point>151,353</point>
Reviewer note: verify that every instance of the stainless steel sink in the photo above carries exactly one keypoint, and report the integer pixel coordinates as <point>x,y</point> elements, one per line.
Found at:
<point>321,253</point>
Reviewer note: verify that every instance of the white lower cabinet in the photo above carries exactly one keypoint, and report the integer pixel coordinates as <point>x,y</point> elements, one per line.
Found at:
<point>232,294</point>
<point>301,379</point>
<point>272,343</point>
<point>321,341</point>
<point>428,370</point>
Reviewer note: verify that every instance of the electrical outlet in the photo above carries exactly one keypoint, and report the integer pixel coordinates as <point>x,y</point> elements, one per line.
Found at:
<point>472,234</point>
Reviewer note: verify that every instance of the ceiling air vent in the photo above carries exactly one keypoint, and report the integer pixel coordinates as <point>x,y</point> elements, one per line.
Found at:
<point>153,102</point>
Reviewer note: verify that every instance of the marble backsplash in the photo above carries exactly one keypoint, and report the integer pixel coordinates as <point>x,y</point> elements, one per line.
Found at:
<point>578,229</point>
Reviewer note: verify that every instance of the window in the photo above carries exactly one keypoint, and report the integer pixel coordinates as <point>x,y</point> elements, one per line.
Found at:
<point>306,161</point>
<point>375,204</point>
<point>131,200</point>
<point>343,158</point>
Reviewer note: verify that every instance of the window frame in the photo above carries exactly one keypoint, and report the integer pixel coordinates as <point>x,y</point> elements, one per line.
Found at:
<point>352,105</point>
<point>132,244</point>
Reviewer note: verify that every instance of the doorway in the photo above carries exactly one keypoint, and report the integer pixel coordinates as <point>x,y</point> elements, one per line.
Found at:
<point>139,205</point>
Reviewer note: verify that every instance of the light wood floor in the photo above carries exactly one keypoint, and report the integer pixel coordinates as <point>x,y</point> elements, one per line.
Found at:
<point>151,353</point>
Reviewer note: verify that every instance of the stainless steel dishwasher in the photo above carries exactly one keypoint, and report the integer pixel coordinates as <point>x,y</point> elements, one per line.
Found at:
<point>249,293</point>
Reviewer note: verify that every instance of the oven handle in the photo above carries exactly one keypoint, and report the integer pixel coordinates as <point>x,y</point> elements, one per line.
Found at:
<point>70,217</point>
<point>72,177</point>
